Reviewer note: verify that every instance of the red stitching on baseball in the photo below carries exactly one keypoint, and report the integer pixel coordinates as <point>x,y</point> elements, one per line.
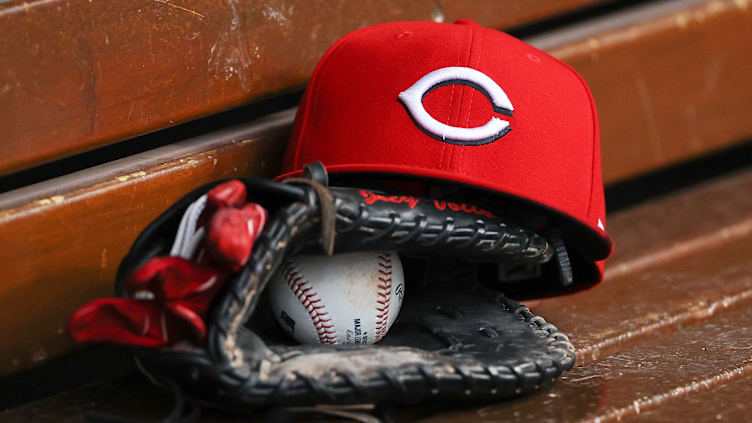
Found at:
<point>384,294</point>
<point>309,299</point>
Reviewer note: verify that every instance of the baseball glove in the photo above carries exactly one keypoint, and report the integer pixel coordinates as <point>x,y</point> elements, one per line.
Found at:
<point>455,337</point>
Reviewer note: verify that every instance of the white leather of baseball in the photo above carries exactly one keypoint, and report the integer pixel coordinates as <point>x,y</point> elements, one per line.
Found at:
<point>342,299</point>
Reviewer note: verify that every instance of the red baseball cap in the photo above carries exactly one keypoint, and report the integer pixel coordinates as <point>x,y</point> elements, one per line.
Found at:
<point>465,104</point>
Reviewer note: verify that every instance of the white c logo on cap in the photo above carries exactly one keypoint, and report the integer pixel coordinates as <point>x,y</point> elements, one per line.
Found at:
<point>412,99</point>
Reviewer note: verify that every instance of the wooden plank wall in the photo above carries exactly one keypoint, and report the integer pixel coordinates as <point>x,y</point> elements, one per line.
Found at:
<point>78,74</point>
<point>668,86</point>
<point>669,79</point>
<point>65,239</point>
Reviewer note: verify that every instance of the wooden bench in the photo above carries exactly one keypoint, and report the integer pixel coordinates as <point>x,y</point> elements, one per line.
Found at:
<point>664,334</point>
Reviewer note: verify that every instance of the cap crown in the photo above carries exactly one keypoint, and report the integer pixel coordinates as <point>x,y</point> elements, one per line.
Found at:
<point>460,103</point>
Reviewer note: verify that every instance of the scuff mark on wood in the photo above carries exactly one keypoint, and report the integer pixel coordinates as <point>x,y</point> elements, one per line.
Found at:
<point>230,55</point>
<point>185,9</point>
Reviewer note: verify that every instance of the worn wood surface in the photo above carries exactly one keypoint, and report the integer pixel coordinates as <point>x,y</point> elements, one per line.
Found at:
<point>68,234</point>
<point>669,77</point>
<point>664,339</point>
<point>62,249</point>
<point>77,74</point>
<point>668,86</point>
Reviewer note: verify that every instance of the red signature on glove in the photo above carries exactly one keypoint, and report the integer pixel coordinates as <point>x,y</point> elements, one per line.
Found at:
<point>370,197</point>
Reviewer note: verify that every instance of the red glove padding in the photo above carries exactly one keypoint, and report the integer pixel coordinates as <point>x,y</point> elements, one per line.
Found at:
<point>171,278</point>
<point>140,323</point>
<point>181,293</point>
<point>231,233</point>
<point>230,194</point>
<point>170,294</point>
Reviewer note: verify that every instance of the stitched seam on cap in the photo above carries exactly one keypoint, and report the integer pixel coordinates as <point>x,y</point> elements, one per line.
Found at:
<point>594,117</point>
<point>478,55</point>
<point>452,148</point>
<point>444,146</point>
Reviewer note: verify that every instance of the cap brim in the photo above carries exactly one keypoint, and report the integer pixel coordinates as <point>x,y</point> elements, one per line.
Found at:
<point>591,243</point>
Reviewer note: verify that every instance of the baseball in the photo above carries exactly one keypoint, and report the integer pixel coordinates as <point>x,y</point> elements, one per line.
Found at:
<point>342,299</point>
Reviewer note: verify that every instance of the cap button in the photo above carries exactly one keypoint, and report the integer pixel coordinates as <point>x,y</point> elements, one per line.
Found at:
<point>466,22</point>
